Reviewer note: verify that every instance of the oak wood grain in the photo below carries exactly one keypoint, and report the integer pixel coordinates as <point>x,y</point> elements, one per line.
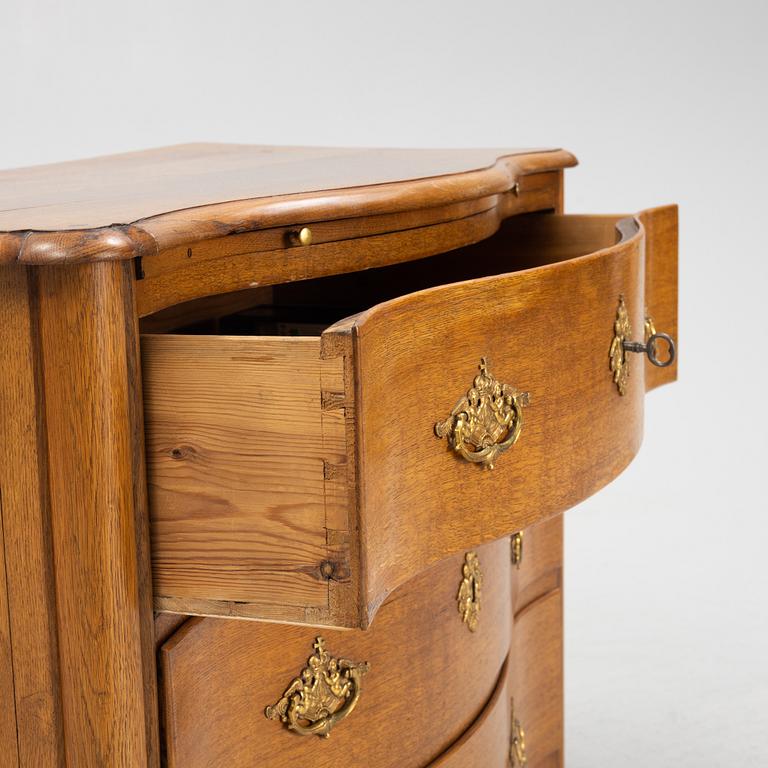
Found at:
<point>536,674</point>
<point>540,570</point>
<point>98,514</point>
<point>9,747</point>
<point>429,678</point>
<point>26,526</point>
<point>661,280</point>
<point>486,742</point>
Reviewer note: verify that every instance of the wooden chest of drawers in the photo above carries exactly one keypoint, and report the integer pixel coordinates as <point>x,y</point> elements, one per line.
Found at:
<point>285,450</point>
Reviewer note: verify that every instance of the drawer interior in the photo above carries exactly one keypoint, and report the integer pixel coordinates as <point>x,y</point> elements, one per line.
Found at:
<point>308,307</point>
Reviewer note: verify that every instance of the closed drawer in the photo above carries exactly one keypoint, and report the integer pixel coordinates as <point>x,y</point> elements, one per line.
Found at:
<point>300,477</point>
<point>486,743</point>
<point>428,678</point>
<point>539,568</point>
<point>536,679</point>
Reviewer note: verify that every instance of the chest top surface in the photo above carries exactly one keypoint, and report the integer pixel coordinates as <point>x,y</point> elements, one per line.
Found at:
<point>124,188</point>
<point>197,186</point>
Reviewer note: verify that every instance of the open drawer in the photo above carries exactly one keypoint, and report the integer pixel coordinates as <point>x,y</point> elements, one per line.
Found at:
<point>302,467</point>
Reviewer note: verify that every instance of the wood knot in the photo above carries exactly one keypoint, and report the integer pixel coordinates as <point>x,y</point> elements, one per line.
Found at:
<point>327,569</point>
<point>181,452</point>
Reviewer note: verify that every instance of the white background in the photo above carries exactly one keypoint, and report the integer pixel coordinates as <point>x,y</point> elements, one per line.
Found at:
<point>666,613</point>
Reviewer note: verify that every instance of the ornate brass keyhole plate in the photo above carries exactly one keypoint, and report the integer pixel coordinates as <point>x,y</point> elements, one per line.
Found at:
<point>621,344</point>
<point>469,591</point>
<point>517,549</point>
<point>622,330</point>
<point>517,758</point>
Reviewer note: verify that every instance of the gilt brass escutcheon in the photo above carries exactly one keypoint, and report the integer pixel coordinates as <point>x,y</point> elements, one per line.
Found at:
<point>517,758</point>
<point>486,421</point>
<point>516,541</point>
<point>622,330</point>
<point>621,344</point>
<point>469,590</point>
<point>325,692</point>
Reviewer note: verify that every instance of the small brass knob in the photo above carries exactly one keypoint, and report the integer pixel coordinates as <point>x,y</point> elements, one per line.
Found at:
<point>301,236</point>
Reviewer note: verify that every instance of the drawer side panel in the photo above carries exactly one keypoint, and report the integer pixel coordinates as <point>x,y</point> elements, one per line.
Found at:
<point>239,447</point>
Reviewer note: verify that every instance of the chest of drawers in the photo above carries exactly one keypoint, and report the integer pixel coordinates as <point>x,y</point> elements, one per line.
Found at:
<point>287,435</point>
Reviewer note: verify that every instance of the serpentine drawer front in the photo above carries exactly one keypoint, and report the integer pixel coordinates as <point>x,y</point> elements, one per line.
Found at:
<point>536,679</point>
<point>280,466</point>
<point>286,434</point>
<point>428,677</point>
<point>487,742</point>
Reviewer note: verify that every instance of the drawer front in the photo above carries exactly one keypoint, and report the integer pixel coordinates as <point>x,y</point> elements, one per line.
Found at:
<point>546,332</point>
<point>428,678</point>
<point>536,675</point>
<point>539,568</point>
<point>486,743</point>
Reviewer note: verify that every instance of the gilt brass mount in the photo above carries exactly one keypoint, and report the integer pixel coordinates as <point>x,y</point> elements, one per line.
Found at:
<point>622,330</point>
<point>325,692</point>
<point>486,421</point>
<point>517,758</point>
<point>517,548</point>
<point>469,591</point>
